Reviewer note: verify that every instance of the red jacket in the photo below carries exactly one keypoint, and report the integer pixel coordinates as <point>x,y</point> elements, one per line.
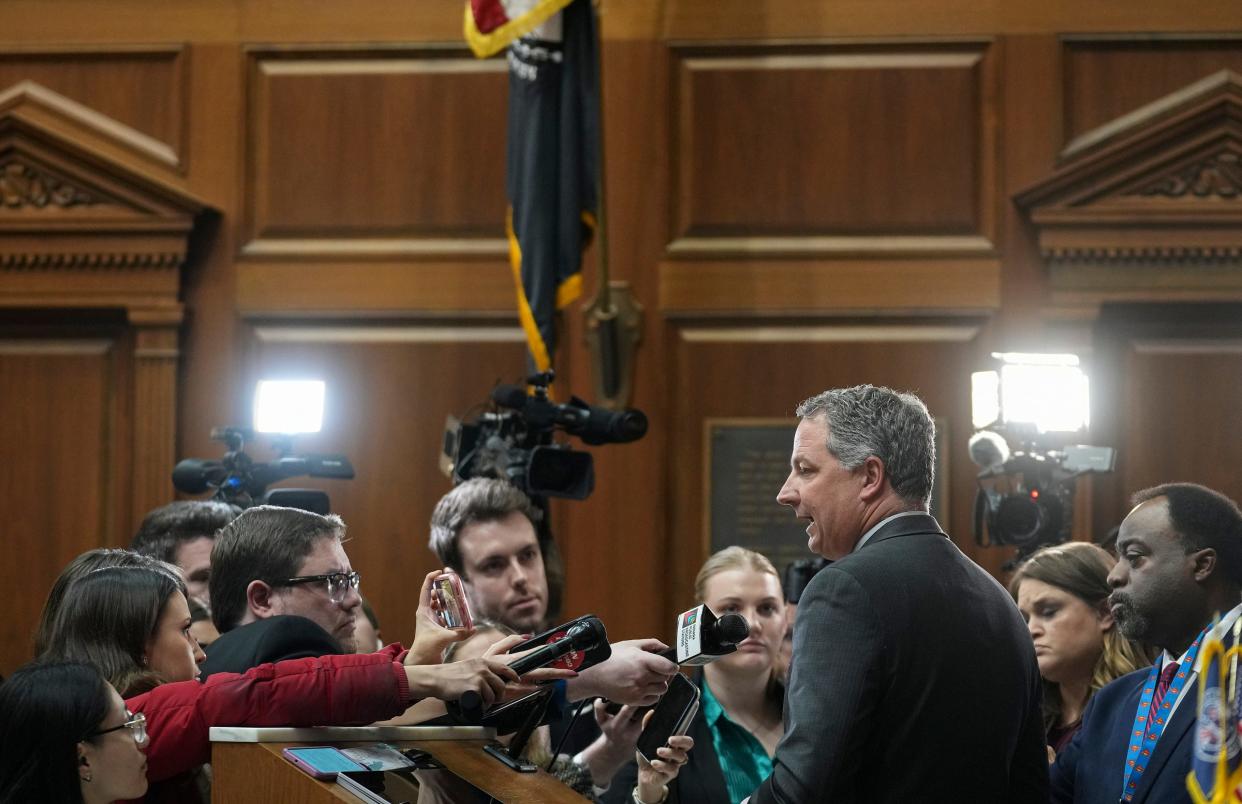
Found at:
<point>326,691</point>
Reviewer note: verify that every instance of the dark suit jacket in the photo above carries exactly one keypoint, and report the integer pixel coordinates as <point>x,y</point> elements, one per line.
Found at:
<point>1090,769</point>
<point>270,640</point>
<point>913,679</point>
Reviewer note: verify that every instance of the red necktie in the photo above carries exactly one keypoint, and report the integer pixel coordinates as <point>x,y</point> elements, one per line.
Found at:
<point>1162,686</point>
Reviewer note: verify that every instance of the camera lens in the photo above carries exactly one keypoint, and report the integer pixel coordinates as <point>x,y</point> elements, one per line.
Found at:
<point>1019,519</point>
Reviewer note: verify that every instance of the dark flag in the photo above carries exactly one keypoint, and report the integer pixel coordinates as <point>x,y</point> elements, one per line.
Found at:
<point>553,150</point>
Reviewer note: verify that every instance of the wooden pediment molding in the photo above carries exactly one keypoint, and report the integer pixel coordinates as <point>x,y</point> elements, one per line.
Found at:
<point>1148,207</point>
<point>80,224</point>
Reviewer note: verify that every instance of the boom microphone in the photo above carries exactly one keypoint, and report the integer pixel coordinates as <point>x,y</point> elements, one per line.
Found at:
<point>988,450</point>
<point>194,475</point>
<point>593,425</point>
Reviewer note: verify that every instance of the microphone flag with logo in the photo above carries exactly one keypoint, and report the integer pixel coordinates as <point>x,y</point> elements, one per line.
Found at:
<point>553,150</point>
<point>1216,764</point>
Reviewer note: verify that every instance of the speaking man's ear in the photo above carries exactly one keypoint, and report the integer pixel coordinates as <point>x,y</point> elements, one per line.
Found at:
<point>875,478</point>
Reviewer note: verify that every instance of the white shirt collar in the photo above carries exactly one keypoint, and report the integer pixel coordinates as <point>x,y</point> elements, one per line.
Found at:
<point>882,523</point>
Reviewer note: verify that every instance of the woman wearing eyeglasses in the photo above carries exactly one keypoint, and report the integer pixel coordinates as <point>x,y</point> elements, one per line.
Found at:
<point>68,737</point>
<point>133,623</point>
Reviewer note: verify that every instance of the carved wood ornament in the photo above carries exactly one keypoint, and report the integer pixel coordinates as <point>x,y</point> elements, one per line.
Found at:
<point>85,225</point>
<point>1148,207</point>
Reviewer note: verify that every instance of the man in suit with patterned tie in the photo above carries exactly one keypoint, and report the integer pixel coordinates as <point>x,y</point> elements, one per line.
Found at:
<point>913,675</point>
<point>1179,568</point>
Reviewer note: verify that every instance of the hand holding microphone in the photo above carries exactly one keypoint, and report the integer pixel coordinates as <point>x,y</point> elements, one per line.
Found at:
<point>565,646</point>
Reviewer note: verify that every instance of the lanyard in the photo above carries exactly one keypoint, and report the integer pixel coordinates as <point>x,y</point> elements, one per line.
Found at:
<point>1147,730</point>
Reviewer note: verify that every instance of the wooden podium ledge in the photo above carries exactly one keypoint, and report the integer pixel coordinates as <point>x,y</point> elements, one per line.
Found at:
<point>247,765</point>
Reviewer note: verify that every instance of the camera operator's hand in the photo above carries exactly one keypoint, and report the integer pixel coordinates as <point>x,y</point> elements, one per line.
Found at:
<point>430,637</point>
<point>634,674</point>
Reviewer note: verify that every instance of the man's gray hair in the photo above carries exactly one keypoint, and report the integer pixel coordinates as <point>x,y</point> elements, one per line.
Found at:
<point>893,426</point>
<point>481,499</point>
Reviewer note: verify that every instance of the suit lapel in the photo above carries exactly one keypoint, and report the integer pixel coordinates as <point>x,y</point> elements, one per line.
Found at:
<point>1167,748</point>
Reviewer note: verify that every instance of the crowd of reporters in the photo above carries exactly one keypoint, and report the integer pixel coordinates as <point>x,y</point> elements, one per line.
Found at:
<point>120,696</point>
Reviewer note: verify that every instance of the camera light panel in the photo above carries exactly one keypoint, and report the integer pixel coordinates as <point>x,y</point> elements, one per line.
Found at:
<point>1052,397</point>
<point>289,406</point>
<point>984,399</point>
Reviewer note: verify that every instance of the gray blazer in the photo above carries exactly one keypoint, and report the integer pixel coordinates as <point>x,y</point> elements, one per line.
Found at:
<point>913,679</point>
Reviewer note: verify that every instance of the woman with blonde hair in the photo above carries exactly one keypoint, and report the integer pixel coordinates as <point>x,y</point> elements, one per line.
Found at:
<point>740,718</point>
<point>1062,592</point>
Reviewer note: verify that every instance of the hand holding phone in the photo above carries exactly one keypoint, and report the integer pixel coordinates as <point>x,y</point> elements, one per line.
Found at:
<point>321,762</point>
<point>670,717</point>
<point>449,602</point>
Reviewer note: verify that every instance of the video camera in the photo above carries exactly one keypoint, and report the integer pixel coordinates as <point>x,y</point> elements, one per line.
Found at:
<point>237,479</point>
<point>1026,499</point>
<point>514,442</point>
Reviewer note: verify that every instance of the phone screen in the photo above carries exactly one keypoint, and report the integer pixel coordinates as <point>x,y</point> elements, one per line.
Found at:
<point>325,759</point>
<point>672,716</point>
<point>454,608</point>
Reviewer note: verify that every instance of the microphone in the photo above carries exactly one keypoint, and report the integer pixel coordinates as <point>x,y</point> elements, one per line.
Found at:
<point>194,475</point>
<point>565,649</point>
<point>988,450</point>
<point>595,426</point>
<point>703,638</point>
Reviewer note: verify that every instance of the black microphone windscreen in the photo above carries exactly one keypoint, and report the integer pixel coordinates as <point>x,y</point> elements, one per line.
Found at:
<point>191,475</point>
<point>731,629</point>
<point>510,396</point>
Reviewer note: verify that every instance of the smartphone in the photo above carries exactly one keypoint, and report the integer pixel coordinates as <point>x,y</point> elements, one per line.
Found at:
<point>321,762</point>
<point>454,608</point>
<point>672,716</point>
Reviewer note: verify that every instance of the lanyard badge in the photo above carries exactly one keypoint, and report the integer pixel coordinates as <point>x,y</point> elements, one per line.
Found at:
<point>1148,725</point>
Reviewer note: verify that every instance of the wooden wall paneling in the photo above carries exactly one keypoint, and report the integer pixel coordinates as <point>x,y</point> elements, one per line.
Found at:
<point>350,147</point>
<point>412,220</point>
<point>136,95</point>
<point>799,19</point>
<point>847,140</point>
<point>1030,121</point>
<point>56,470</point>
<point>614,544</point>
<point>1150,368</point>
<point>1174,431</point>
<point>389,390</point>
<point>1106,77</point>
<point>836,177</point>
<point>154,401</point>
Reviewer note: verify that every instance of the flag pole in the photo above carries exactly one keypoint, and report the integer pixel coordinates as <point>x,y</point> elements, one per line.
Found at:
<point>614,317</point>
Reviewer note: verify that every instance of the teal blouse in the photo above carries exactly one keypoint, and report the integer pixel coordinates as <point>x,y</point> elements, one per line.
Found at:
<point>743,760</point>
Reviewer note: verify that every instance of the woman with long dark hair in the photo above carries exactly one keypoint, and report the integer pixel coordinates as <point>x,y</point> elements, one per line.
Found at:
<point>132,624</point>
<point>67,738</point>
<point>1062,592</point>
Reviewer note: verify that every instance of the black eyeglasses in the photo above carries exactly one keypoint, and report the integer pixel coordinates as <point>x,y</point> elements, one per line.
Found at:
<point>339,583</point>
<point>137,725</point>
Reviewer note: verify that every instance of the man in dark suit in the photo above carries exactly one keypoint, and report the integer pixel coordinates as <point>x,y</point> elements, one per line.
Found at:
<point>913,675</point>
<point>1179,568</point>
